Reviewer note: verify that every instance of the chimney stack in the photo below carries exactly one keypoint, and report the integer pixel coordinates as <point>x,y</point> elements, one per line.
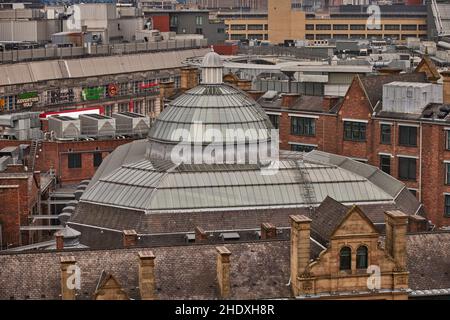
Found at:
<point>268,231</point>
<point>200,235</point>
<point>255,94</point>
<point>147,275</point>
<point>223,271</point>
<point>189,78</point>
<point>389,71</point>
<point>288,99</point>
<point>166,89</point>
<point>59,236</point>
<point>244,85</point>
<point>417,223</point>
<point>129,238</point>
<point>446,88</point>
<point>396,225</point>
<point>329,102</point>
<point>300,249</point>
<point>68,281</point>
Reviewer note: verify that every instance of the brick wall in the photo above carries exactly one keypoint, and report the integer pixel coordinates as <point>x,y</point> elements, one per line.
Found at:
<point>9,219</point>
<point>54,155</point>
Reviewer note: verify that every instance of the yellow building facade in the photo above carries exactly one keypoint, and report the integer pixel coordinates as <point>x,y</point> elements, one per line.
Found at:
<point>284,23</point>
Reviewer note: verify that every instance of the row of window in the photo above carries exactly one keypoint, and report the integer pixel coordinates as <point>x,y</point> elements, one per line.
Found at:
<point>240,27</point>
<point>408,27</point>
<point>249,36</point>
<point>311,36</point>
<point>74,160</point>
<point>69,95</point>
<point>345,258</point>
<point>406,167</point>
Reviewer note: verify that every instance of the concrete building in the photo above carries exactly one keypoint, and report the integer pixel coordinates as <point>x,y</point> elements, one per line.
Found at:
<point>110,84</point>
<point>346,22</point>
<point>251,25</point>
<point>184,22</point>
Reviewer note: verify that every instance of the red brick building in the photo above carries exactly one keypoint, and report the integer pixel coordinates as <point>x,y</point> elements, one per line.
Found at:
<point>413,147</point>
<point>20,192</point>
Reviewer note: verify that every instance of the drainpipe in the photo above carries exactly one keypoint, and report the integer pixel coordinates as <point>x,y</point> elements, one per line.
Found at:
<point>420,163</point>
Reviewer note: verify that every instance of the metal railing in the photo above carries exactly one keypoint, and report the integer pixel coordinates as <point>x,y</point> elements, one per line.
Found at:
<point>12,56</point>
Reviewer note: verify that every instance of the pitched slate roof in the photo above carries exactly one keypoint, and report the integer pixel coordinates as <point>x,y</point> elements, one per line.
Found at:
<point>429,260</point>
<point>326,218</point>
<point>258,270</point>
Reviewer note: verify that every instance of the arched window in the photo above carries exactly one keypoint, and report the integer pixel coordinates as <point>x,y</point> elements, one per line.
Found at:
<point>345,258</point>
<point>362,258</point>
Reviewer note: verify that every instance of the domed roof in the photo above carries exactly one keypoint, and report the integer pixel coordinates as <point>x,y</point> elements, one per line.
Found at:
<point>211,113</point>
<point>212,60</point>
<point>219,107</point>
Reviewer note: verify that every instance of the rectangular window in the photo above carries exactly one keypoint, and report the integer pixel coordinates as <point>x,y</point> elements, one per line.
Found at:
<point>74,160</point>
<point>198,31</point>
<point>407,136</point>
<point>199,20</point>
<point>391,27</point>
<point>447,173</point>
<point>354,131</point>
<point>407,169</point>
<point>323,26</point>
<point>447,206</point>
<point>340,26</point>
<point>275,119</point>
<point>255,27</point>
<point>303,126</point>
<point>385,163</point>
<point>410,27</point>
<point>309,27</point>
<point>238,27</point>
<point>357,27</point>
<point>385,134</point>
<point>302,148</point>
<point>98,158</point>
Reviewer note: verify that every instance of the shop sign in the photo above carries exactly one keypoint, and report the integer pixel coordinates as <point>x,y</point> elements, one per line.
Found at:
<point>149,85</point>
<point>112,90</point>
<point>95,93</point>
<point>27,99</point>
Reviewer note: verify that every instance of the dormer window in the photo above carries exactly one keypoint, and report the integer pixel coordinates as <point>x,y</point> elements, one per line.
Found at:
<point>362,258</point>
<point>345,259</point>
